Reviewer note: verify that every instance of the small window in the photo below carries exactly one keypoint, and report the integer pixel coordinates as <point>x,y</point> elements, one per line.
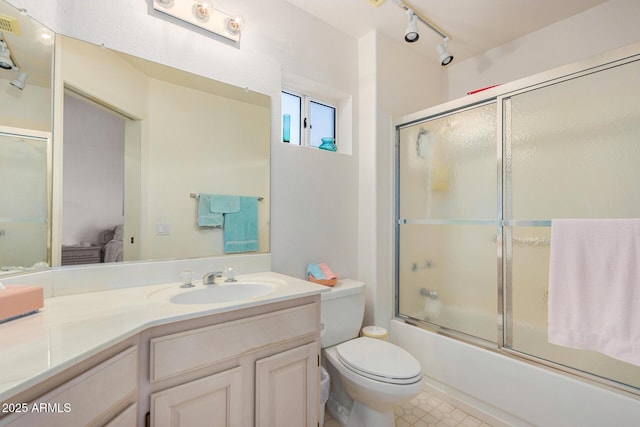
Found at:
<point>323,122</point>
<point>291,116</point>
<point>305,121</point>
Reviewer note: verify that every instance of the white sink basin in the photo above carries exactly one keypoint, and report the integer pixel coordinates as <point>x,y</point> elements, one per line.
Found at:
<point>223,293</point>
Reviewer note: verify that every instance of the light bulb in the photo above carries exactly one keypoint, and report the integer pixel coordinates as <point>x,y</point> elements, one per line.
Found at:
<point>234,25</point>
<point>202,9</point>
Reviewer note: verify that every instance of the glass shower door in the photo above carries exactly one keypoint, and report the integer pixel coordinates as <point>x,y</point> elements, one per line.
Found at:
<point>23,201</point>
<point>448,222</point>
<point>572,152</point>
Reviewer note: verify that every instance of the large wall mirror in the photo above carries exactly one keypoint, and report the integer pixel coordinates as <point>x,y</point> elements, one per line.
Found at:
<point>134,142</point>
<point>26,60</point>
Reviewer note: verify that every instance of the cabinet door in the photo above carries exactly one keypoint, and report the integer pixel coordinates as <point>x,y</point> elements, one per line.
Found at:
<point>287,388</point>
<point>211,401</point>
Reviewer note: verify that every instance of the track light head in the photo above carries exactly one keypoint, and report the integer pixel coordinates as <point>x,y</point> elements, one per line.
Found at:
<point>5,57</point>
<point>20,81</point>
<point>444,55</point>
<point>411,34</point>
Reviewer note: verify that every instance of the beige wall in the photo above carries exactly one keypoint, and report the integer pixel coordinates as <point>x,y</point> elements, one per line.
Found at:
<point>27,109</point>
<point>201,147</point>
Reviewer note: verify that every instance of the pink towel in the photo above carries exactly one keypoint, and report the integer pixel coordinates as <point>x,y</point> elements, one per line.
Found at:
<point>594,286</point>
<point>326,271</point>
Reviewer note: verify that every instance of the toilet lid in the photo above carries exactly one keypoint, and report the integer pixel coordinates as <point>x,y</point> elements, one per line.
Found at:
<point>379,360</point>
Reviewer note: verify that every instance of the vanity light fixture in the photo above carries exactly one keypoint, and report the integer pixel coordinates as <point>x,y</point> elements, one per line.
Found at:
<point>20,81</point>
<point>201,13</point>
<point>411,33</point>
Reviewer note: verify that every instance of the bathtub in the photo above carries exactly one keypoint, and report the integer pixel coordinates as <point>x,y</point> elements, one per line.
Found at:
<point>505,391</point>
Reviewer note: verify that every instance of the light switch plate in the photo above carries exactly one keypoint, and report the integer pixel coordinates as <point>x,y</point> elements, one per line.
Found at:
<point>163,230</point>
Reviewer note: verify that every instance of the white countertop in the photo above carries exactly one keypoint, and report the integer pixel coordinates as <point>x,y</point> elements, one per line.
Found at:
<point>72,328</point>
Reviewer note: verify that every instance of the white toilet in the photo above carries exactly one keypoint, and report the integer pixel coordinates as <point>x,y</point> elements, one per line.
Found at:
<point>376,375</point>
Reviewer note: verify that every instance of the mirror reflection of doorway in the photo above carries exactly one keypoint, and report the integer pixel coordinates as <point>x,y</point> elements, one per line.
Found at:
<point>93,189</point>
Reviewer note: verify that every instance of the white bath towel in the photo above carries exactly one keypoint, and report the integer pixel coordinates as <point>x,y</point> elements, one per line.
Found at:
<point>594,286</point>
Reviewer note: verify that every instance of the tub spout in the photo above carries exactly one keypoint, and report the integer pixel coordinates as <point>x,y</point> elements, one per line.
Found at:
<point>429,293</point>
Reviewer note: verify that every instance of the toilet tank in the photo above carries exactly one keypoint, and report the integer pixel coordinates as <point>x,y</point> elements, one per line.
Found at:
<point>342,312</point>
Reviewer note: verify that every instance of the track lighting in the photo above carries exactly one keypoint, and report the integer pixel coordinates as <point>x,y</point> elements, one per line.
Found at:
<point>411,34</point>
<point>444,55</point>
<point>20,81</point>
<point>5,57</point>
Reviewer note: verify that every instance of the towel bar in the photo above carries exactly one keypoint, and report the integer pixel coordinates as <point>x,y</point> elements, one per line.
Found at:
<point>197,196</point>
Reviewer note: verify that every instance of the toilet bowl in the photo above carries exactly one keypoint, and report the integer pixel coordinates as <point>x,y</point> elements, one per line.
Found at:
<point>378,376</point>
<point>373,376</point>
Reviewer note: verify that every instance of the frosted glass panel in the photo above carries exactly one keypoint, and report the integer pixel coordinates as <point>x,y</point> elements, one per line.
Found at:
<point>23,205</point>
<point>448,166</point>
<point>528,324</point>
<point>574,147</point>
<point>448,277</point>
<point>23,181</point>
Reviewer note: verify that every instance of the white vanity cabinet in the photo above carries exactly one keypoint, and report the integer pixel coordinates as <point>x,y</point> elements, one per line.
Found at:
<point>106,394</point>
<point>257,365</point>
<point>287,390</point>
<point>262,370</point>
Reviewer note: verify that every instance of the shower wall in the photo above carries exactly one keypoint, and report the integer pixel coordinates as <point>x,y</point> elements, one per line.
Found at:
<point>478,186</point>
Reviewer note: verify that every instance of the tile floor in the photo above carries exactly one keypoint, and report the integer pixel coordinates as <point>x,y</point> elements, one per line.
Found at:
<point>426,410</point>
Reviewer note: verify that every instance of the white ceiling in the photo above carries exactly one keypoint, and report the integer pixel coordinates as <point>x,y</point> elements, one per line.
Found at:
<point>474,26</point>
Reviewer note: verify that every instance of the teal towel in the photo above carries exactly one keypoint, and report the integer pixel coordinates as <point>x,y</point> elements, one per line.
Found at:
<point>206,218</point>
<point>224,204</point>
<point>315,271</point>
<point>241,228</point>
<point>211,208</point>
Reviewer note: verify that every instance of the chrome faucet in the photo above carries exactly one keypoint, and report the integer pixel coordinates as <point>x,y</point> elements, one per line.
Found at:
<point>210,278</point>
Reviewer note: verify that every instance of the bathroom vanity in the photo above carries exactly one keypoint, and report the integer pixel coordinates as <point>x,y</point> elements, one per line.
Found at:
<point>132,357</point>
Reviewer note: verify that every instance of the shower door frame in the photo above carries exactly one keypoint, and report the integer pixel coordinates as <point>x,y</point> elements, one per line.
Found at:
<point>46,138</point>
<point>501,95</point>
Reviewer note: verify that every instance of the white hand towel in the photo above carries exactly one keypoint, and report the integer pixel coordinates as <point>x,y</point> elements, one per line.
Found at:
<point>594,286</point>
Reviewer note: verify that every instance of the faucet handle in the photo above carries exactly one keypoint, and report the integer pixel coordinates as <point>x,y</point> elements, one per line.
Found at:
<point>187,276</point>
<point>231,274</point>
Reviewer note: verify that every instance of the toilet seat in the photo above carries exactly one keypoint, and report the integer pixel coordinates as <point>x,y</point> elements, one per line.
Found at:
<point>379,360</point>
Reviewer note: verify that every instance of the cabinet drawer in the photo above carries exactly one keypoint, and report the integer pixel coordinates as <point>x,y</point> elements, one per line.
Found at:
<point>86,397</point>
<point>187,351</point>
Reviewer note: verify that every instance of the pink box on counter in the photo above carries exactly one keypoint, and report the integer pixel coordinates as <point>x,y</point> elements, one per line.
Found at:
<point>17,301</point>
